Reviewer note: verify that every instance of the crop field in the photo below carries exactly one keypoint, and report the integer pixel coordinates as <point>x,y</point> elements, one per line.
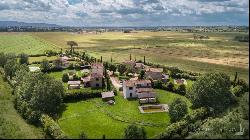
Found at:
<point>96,118</point>
<point>219,53</point>
<point>23,43</point>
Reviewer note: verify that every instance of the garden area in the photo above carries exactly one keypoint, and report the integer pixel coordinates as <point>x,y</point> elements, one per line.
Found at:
<point>96,118</point>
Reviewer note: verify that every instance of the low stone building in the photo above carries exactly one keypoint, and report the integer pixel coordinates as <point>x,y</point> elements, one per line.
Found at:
<point>154,73</point>
<point>74,84</point>
<point>141,89</point>
<point>95,79</point>
<point>107,96</point>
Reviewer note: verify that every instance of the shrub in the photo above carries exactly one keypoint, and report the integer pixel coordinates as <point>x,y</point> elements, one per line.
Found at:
<point>82,95</point>
<point>178,109</point>
<point>181,89</point>
<point>170,86</point>
<point>134,132</point>
<point>65,77</point>
<point>158,84</point>
<point>182,127</point>
<point>244,84</point>
<point>83,136</point>
<point>52,128</point>
<point>238,91</point>
<point>24,59</point>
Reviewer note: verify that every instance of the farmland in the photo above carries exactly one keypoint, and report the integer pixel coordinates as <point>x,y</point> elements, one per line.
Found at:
<point>96,118</point>
<point>219,53</point>
<point>23,43</point>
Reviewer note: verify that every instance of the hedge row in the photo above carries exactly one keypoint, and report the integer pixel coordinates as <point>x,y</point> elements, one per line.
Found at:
<point>52,128</point>
<point>82,95</point>
<point>36,55</point>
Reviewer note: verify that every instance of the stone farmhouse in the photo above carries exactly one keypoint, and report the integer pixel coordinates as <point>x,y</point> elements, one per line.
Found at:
<point>141,89</point>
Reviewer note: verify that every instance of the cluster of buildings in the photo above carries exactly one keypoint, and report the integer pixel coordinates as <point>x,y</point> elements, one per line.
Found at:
<point>94,78</point>
<point>140,89</point>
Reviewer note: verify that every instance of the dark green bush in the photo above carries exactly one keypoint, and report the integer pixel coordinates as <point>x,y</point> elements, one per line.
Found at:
<point>52,128</point>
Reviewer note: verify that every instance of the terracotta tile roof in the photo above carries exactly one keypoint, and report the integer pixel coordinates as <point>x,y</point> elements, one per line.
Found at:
<point>96,75</point>
<point>130,62</point>
<point>97,65</point>
<point>86,79</point>
<point>134,82</point>
<point>139,65</point>
<point>143,82</point>
<point>154,70</point>
<point>144,90</point>
<point>146,95</point>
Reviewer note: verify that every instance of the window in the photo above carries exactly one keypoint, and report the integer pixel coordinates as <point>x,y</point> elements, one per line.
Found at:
<point>130,88</point>
<point>97,85</point>
<point>97,79</point>
<point>130,94</point>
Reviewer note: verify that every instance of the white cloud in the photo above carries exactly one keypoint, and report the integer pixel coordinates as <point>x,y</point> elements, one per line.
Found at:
<point>96,12</point>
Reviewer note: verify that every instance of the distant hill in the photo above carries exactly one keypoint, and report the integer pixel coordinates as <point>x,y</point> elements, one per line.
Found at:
<point>16,23</point>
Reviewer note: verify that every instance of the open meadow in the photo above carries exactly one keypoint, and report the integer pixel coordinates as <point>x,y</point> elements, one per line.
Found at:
<point>219,53</point>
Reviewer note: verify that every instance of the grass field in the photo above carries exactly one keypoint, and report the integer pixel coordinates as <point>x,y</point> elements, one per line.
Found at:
<point>220,53</point>
<point>36,59</point>
<point>23,43</point>
<point>12,125</point>
<point>96,118</point>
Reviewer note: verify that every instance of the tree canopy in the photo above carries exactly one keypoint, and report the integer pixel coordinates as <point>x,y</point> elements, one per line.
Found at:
<point>212,90</point>
<point>37,94</point>
<point>134,132</point>
<point>178,109</point>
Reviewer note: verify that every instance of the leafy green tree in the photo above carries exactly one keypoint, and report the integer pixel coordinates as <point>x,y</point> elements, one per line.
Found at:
<point>158,84</point>
<point>134,132</point>
<point>83,136</point>
<point>10,68</point>
<point>142,74</point>
<point>108,84</point>
<point>222,128</point>
<point>244,84</point>
<point>45,66</point>
<point>38,94</point>
<point>20,74</point>
<point>170,86</point>
<point>122,68</point>
<point>23,58</point>
<point>65,77</point>
<point>112,67</point>
<point>3,59</point>
<point>212,90</point>
<point>238,91</point>
<point>72,44</point>
<point>178,109</point>
<point>181,89</point>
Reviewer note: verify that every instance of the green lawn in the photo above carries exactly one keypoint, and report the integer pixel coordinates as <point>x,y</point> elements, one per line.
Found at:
<point>96,118</point>
<point>23,43</point>
<point>14,126</point>
<point>39,59</point>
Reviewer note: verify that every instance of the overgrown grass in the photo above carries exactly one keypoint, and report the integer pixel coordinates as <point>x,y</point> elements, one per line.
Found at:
<point>218,54</point>
<point>12,125</point>
<point>96,118</point>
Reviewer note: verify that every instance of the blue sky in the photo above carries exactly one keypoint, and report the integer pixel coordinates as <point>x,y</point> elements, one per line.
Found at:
<point>127,12</point>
